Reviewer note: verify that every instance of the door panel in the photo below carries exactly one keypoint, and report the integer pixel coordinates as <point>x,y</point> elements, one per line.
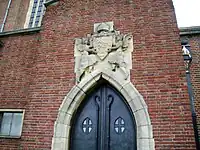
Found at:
<point>103,122</point>
<point>122,133</point>
<point>81,140</point>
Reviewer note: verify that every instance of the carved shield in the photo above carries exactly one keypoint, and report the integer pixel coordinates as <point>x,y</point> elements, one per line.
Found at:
<point>102,45</point>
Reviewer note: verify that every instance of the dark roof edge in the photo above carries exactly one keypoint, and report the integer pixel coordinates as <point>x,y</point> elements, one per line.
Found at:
<point>189,30</point>
<point>20,31</point>
<point>50,2</point>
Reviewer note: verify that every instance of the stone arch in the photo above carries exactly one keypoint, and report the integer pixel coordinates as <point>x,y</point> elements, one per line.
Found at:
<point>71,102</point>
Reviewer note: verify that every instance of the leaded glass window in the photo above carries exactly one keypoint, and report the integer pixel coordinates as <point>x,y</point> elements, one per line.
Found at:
<point>36,13</point>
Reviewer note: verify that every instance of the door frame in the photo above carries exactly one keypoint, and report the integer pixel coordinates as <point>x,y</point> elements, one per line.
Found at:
<point>71,102</point>
<point>109,100</point>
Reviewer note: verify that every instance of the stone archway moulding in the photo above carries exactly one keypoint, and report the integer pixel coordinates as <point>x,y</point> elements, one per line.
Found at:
<point>105,54</point>
<point>71,102</point>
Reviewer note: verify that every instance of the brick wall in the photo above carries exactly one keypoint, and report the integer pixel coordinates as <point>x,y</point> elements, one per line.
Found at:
<point>194,41</point>
<point>16,15</point>
<point>37,71</point>
<point>3,5</point>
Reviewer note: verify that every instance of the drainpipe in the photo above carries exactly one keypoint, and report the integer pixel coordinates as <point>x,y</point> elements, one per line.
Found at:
<point>5,16</point>
<point>187,60</point>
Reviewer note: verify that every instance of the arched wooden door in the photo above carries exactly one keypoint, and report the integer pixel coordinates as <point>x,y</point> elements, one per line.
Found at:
<point>103,122</point>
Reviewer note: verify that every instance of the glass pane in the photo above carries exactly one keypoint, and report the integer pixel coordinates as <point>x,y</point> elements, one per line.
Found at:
<point>1,116</point>
<point>33,10</point>
<point>16,124</point>
<point>36,24</point>
<point>31,20</point>
<point>30,24</point>
<point>37,19</point>
<point>32,15</point>
<point>6,124</point>
<point>39,9</point>
<point>34,5</point>
<point>38,14</point>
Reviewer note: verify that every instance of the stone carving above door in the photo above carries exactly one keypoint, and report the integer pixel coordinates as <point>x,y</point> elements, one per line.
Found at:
<point>105,49</point>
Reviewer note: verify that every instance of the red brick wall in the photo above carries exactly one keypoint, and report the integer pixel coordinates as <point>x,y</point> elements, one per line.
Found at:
<point>37,71</point>
<point>3,6</point>
<point>194,41</point>
<point>16,15</point>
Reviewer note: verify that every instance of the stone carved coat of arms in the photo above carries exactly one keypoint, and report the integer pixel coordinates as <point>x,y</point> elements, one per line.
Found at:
<point>106,49</point>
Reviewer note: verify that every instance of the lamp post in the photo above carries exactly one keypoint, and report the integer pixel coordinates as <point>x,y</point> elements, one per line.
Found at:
<point>187,61</point>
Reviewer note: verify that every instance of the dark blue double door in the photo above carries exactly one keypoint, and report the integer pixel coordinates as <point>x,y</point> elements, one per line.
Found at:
<point>103,122</point>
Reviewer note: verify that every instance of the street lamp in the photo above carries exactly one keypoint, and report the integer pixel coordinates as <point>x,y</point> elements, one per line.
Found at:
<point>187,56</point>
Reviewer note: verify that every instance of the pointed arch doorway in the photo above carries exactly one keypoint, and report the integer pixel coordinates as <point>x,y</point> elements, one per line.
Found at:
<point>78,95</point>
<point>103,122</point>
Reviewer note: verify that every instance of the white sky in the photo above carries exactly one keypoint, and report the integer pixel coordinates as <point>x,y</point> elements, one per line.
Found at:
<point>187,12</point>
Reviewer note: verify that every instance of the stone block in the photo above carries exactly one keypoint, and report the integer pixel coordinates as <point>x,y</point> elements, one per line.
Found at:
<point>145,144</point>
<point>64,118</point>
<point>61,130</point>
<point>142,117</point>
<point>135,104</point>
<point>59,143</point>
<point>144,132</point>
